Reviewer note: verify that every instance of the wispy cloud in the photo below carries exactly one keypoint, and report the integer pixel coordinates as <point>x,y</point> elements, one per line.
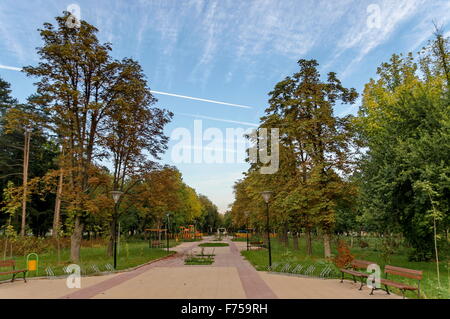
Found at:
<point>216,119</point>
<point>360,38</point>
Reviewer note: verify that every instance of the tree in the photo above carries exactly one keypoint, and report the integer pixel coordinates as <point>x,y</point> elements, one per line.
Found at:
<point>6,100</point>
<point>210,215</point>
<point>405,122</point>
<point>136,126</point>
<point>16,119</point>
<point>81,89</point>
<point>321,143</point>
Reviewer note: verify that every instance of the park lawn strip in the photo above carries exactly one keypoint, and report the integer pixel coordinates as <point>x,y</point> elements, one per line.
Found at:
<point>199,261</point>
<point>213,245</point>
<point>281,256</point>
<point>92,258</point>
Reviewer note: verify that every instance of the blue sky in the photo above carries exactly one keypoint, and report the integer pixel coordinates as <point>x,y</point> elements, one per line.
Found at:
<point>228,51</point>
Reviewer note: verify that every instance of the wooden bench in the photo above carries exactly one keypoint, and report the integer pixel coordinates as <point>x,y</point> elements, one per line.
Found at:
<point>156,243</point>
<point>12,263</point>
<point>402,272</point>
<point>357,264</point>
<point>259,244</point>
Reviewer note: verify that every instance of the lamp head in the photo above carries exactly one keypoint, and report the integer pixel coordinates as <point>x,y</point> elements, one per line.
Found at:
<point>266,195</point>
<point>116,195</point>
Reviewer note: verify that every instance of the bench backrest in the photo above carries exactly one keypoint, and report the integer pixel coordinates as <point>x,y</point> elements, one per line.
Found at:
<point>358,264</point>
<point>404,272</point>
<point>7,263</point>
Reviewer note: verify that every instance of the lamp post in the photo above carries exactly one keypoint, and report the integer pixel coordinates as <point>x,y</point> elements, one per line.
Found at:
<point>167,231</point>
<point>266,196</point>
<point>116,196</point>
<point>247,214</point>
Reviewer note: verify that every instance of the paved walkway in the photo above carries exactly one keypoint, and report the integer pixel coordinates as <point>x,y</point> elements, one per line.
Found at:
<point>229,277</point>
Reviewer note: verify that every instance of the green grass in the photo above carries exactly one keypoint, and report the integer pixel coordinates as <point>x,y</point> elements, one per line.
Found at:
<point>282,256</point>
<point>198,260</point>
<point>130,254</point>
<point>213,245</point>
<point>190,239</point>
<point>239,239</point>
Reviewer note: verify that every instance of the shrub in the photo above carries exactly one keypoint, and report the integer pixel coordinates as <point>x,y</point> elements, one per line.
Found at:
<point>344,257</point>
<point>363,244</point>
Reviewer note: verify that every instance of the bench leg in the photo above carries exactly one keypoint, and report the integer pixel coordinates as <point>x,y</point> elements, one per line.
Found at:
<point>13,277</point>
<point>403,293</point>
<point>362,284</point>
<point>373,288</point>
<point>387,290</point>
<point>354,279</point>
<point>342,277</point>
<point>24,276</point>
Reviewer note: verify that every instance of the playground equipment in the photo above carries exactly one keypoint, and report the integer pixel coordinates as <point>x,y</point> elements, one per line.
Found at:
<point>155,240</point>
<point>189,233</point>
<point>32,264</point>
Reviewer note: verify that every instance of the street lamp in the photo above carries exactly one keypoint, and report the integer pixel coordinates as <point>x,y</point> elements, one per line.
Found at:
<point>116,196</point>
<point>247,214</point>
<point>167,231</point>
<point>266,195</point>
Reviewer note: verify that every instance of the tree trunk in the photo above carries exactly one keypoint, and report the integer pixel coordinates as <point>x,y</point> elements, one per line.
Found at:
<point>26,159</point>
<point>309,250</point>
<point>286,235</point>
<point>75,240</point>
<point>295,240</point>
<point>56,215</point>
<point>327,245</point>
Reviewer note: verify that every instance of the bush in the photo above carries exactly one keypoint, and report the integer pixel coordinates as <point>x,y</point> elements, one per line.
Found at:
<point>363,244</point>
<point>344,257</point>
<point>28,244</point>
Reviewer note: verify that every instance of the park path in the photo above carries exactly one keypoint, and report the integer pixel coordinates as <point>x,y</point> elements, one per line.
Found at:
<point>229,266</point>
<point>229,277</point>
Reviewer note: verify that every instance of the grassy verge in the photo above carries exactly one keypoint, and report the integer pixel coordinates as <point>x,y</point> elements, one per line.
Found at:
<point>288,258</point>
<point>198,260</point>
<point>213,245</point>
<point>190,239</point>
<point>93,259</point>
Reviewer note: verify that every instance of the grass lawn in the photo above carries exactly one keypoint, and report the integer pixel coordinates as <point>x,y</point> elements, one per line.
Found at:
<point>213,245</point>
<point>286,259</point>
<point>93,259</point>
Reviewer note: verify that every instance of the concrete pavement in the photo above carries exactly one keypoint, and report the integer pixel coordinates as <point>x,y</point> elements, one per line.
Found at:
<point>229,277</point>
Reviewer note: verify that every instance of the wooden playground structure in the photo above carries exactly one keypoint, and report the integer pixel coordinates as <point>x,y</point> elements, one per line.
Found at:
<point>188,233</point>
<point>159,237</point>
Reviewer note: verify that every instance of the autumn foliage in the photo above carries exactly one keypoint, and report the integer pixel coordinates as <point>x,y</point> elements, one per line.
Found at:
<point>344,257</point>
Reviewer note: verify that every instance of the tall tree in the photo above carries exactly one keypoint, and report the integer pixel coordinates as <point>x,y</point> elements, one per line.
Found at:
<point>404,121</point>
<point>322,143</point>
<point>81,89</point>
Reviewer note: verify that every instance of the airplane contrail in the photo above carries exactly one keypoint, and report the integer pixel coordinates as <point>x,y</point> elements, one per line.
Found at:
<point>12,68</point>
<point>202,100</point>
<point>6,67</point>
